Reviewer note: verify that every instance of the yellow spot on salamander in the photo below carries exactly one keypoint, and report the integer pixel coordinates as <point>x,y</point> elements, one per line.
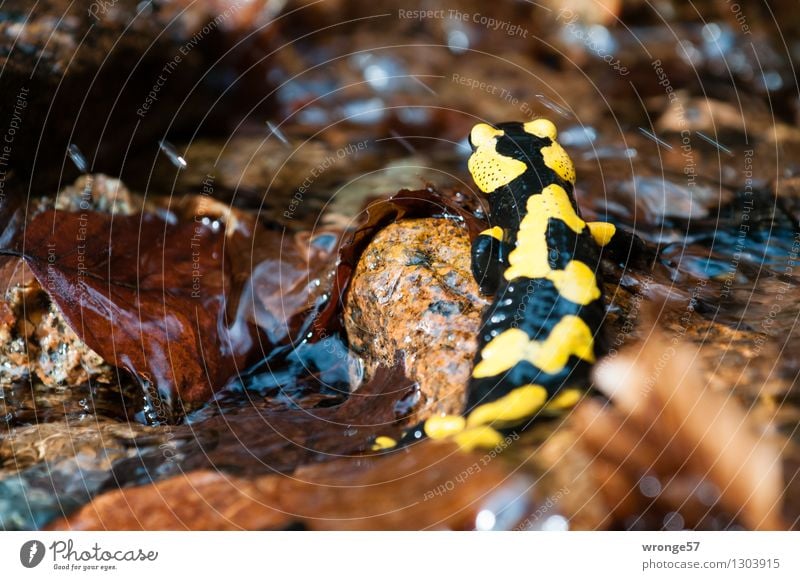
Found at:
<point>444,426</point>
<point>570,337</point>
<point>529,258</point>
<point>517,405</point>
<point>483,135</point>
<point>496,232</point>
<point>554,155</point>
<point>576,283</point>
<point>602,232</point>
<point>383,442</point>
<point>543,128</point>
<point>483,437</point>
<point>566,399</point>
<point>490,170</point>
<point>559,161</point>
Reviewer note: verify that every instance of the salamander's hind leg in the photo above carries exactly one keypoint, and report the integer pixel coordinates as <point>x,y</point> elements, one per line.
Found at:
<point>621,246</point>
<point>489,259</point>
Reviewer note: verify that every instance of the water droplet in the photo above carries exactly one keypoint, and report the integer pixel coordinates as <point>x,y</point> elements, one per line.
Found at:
<point>405,405</point>
<point>313,116</point>
<point>485,521</point>
<point>650,486</point>
<point>577,136</point>
<point>364,111</point>
<point>457,41</point>
<point>553,106</point>
<point>377,77</point>
<point>169,150</point>
<point>555,524</point>
<point>355,371</point>
<point>611,152</point>
<point>325,242</point>
<point>303,89</point>
<point>653,137</point>
<point>77,158</point>
<point>707,493</point>
<point>400,139</point>
<point>381,73</point>
<point>601,39</point>
<point>773,80</point>
<point>414,115</point>
<point>711,32</point>
<point>463,148</point>
<point>714,142</point>
<point>275,130</point>
<point>673,521</point>
<point>690,53</point>
<point>508,505</point>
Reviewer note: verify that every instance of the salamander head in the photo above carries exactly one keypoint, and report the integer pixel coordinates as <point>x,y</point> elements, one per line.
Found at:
<point>503,152</point>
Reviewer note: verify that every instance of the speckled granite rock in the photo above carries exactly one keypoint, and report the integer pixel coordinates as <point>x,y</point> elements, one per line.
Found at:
<point>413,291</point>
<point>35,341</point>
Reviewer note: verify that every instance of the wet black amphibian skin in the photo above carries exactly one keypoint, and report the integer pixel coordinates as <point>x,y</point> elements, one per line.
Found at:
<point>539,259</point>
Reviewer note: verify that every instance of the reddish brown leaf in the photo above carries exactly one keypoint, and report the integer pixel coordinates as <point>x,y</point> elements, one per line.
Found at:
<point>147,295</point>
<point>423,487</point>
<point>248,440</point>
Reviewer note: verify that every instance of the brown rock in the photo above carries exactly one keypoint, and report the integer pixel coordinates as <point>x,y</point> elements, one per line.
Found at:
<point>413,293</point>
<point>98,193</point>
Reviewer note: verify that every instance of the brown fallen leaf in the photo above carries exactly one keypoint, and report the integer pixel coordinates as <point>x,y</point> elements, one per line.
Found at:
<point>674,441</point>
<point>251,440</point>
<point>147,295</point>
<point>184,302</point>
<point>431,485</point>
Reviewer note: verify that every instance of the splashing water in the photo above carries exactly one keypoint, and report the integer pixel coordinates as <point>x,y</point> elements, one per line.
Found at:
<point>77,158</point>
<point>275,130</point>
<point>169,150</point>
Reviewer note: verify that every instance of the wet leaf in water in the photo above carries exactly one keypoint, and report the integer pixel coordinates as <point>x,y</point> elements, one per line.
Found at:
<point>172,301</point>
<point>147,295</point>
<point>250,440</point>
<point>429,486</point>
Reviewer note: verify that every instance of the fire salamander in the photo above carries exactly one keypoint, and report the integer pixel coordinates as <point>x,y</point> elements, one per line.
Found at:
<point>539,337</point>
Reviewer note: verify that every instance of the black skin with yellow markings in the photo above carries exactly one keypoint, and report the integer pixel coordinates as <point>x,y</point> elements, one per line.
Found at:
<point>507,205</point>
<point>536,307</point>
<point>541,334</point>
<point>533,305</point>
